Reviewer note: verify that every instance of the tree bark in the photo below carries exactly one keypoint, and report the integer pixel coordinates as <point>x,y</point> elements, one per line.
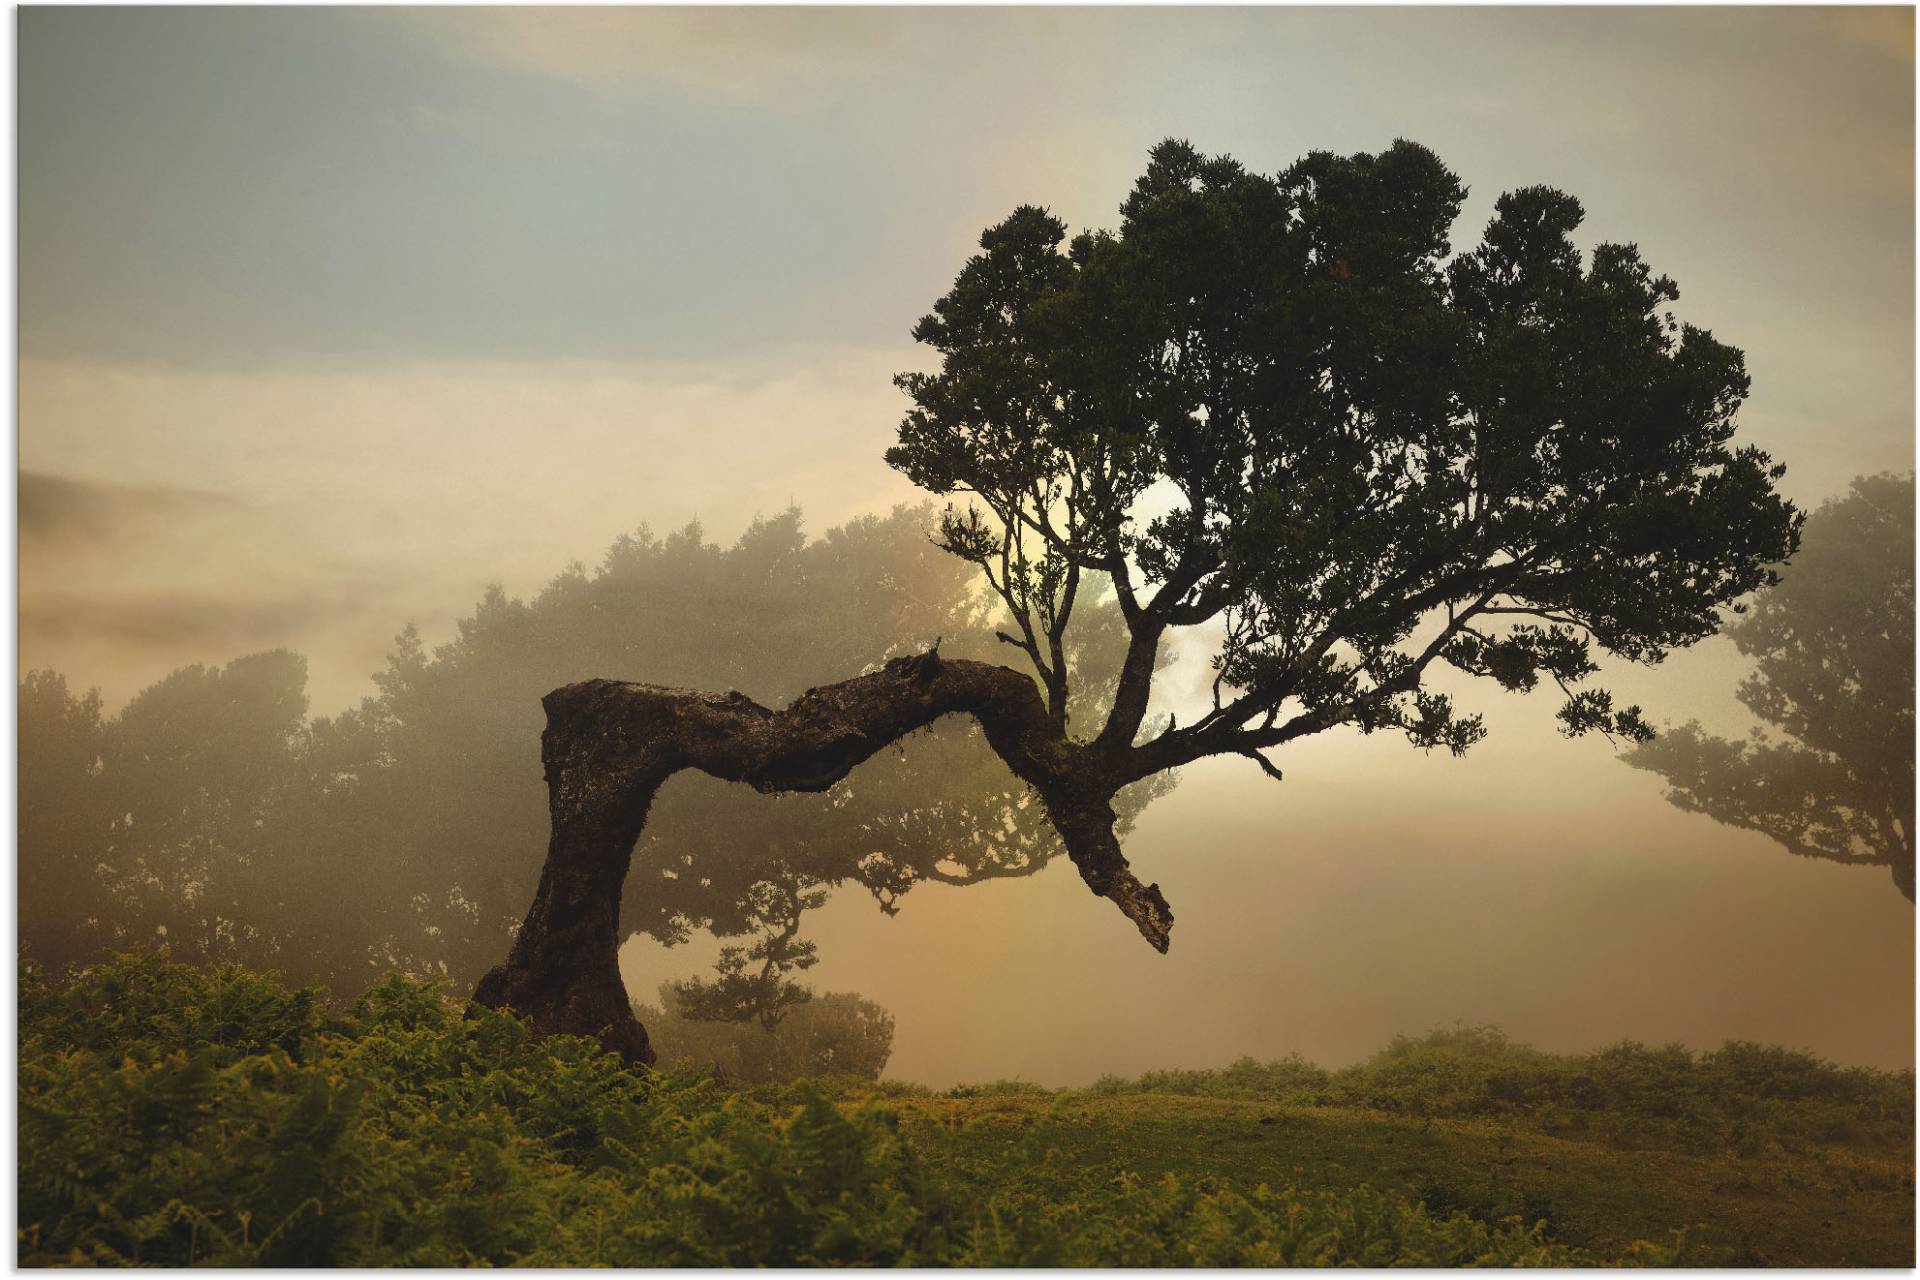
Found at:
<point>609,746</point>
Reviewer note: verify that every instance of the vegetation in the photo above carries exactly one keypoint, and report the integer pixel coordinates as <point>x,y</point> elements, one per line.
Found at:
<point>1831,774</point>
<point>1744,1098</point>
<point>834,1033</point>
<point>176,1115</point>
<point>1277,407</point>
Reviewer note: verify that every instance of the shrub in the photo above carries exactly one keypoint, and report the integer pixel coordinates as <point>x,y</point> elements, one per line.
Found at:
<point>835,1034</point>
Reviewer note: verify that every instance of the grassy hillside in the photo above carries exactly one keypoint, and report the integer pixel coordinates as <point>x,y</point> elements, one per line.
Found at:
<point>170,1115</point>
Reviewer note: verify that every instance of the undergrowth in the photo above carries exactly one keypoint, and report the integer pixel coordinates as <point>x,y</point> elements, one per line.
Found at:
<point>179,1117</point>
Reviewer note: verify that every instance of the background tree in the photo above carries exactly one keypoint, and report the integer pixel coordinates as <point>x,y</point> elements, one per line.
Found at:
<point>1274,407</point>
<point>1831,776</point>
<point>168,822</point>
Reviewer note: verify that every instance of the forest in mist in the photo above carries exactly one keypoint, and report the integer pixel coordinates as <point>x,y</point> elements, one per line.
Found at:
<point>214,815</point>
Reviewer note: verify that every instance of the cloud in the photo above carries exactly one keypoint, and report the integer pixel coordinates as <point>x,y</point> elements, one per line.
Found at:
<point>324,511</point>
<point>759,56</point>
<point>124,580</point>
<point>58,511</point>
<point>215,626</point>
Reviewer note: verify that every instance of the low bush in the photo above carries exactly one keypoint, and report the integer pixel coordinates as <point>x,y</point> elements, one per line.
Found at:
<point>835,1033</point>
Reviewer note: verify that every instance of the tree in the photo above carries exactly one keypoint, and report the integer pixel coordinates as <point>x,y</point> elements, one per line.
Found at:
<point>64,809</point>
<point>208,815</point>
<point>197,765</point>
<point>1269,406</point>
<point>161,824</point>
<point>1832,644</point>
<point>835,1033</point>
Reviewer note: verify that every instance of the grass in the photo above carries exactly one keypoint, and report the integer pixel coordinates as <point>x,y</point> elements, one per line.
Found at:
<point>1820,1206</point>
<point>177,1116</point>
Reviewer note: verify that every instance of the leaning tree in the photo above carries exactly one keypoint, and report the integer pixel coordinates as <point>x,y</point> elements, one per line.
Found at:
<point>1274,411</point>
<point>438,792</point>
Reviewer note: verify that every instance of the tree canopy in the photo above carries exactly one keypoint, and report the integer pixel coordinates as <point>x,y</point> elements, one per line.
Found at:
<point>1830,775</point>
<point>1277,406</point>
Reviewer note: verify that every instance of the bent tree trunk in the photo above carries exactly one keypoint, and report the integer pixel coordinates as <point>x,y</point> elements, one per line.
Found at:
<point>609,746</point>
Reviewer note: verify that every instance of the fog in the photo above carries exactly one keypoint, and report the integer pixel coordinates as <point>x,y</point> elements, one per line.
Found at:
<point>329,319</point>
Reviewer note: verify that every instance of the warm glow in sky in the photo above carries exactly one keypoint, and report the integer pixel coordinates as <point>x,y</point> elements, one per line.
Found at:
<point>328,318</point>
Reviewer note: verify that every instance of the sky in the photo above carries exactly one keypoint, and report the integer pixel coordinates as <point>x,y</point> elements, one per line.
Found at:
<point>330,318</point>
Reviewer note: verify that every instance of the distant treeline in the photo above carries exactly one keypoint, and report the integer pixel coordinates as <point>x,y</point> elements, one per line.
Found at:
<point>212,815</point>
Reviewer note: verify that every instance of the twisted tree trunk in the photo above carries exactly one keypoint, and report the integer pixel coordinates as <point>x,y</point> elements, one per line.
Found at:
<point>608,747</point>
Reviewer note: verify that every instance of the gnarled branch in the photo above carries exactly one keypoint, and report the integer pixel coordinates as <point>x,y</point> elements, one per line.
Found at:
<point>609,746</point>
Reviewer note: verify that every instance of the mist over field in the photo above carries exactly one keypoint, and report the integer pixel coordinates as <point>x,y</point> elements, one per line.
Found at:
<point>331,319</point>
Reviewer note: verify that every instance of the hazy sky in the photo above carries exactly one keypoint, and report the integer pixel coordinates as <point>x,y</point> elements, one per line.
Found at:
<point>330,317</point>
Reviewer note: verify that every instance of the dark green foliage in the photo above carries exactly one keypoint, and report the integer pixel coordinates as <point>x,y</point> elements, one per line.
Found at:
<point>403,1134</point>
<point>1283,406</point>
<point>1831,776</point>
<point>174,1116</point>
<point>1206,1222</point>
<point>834,1033</point>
